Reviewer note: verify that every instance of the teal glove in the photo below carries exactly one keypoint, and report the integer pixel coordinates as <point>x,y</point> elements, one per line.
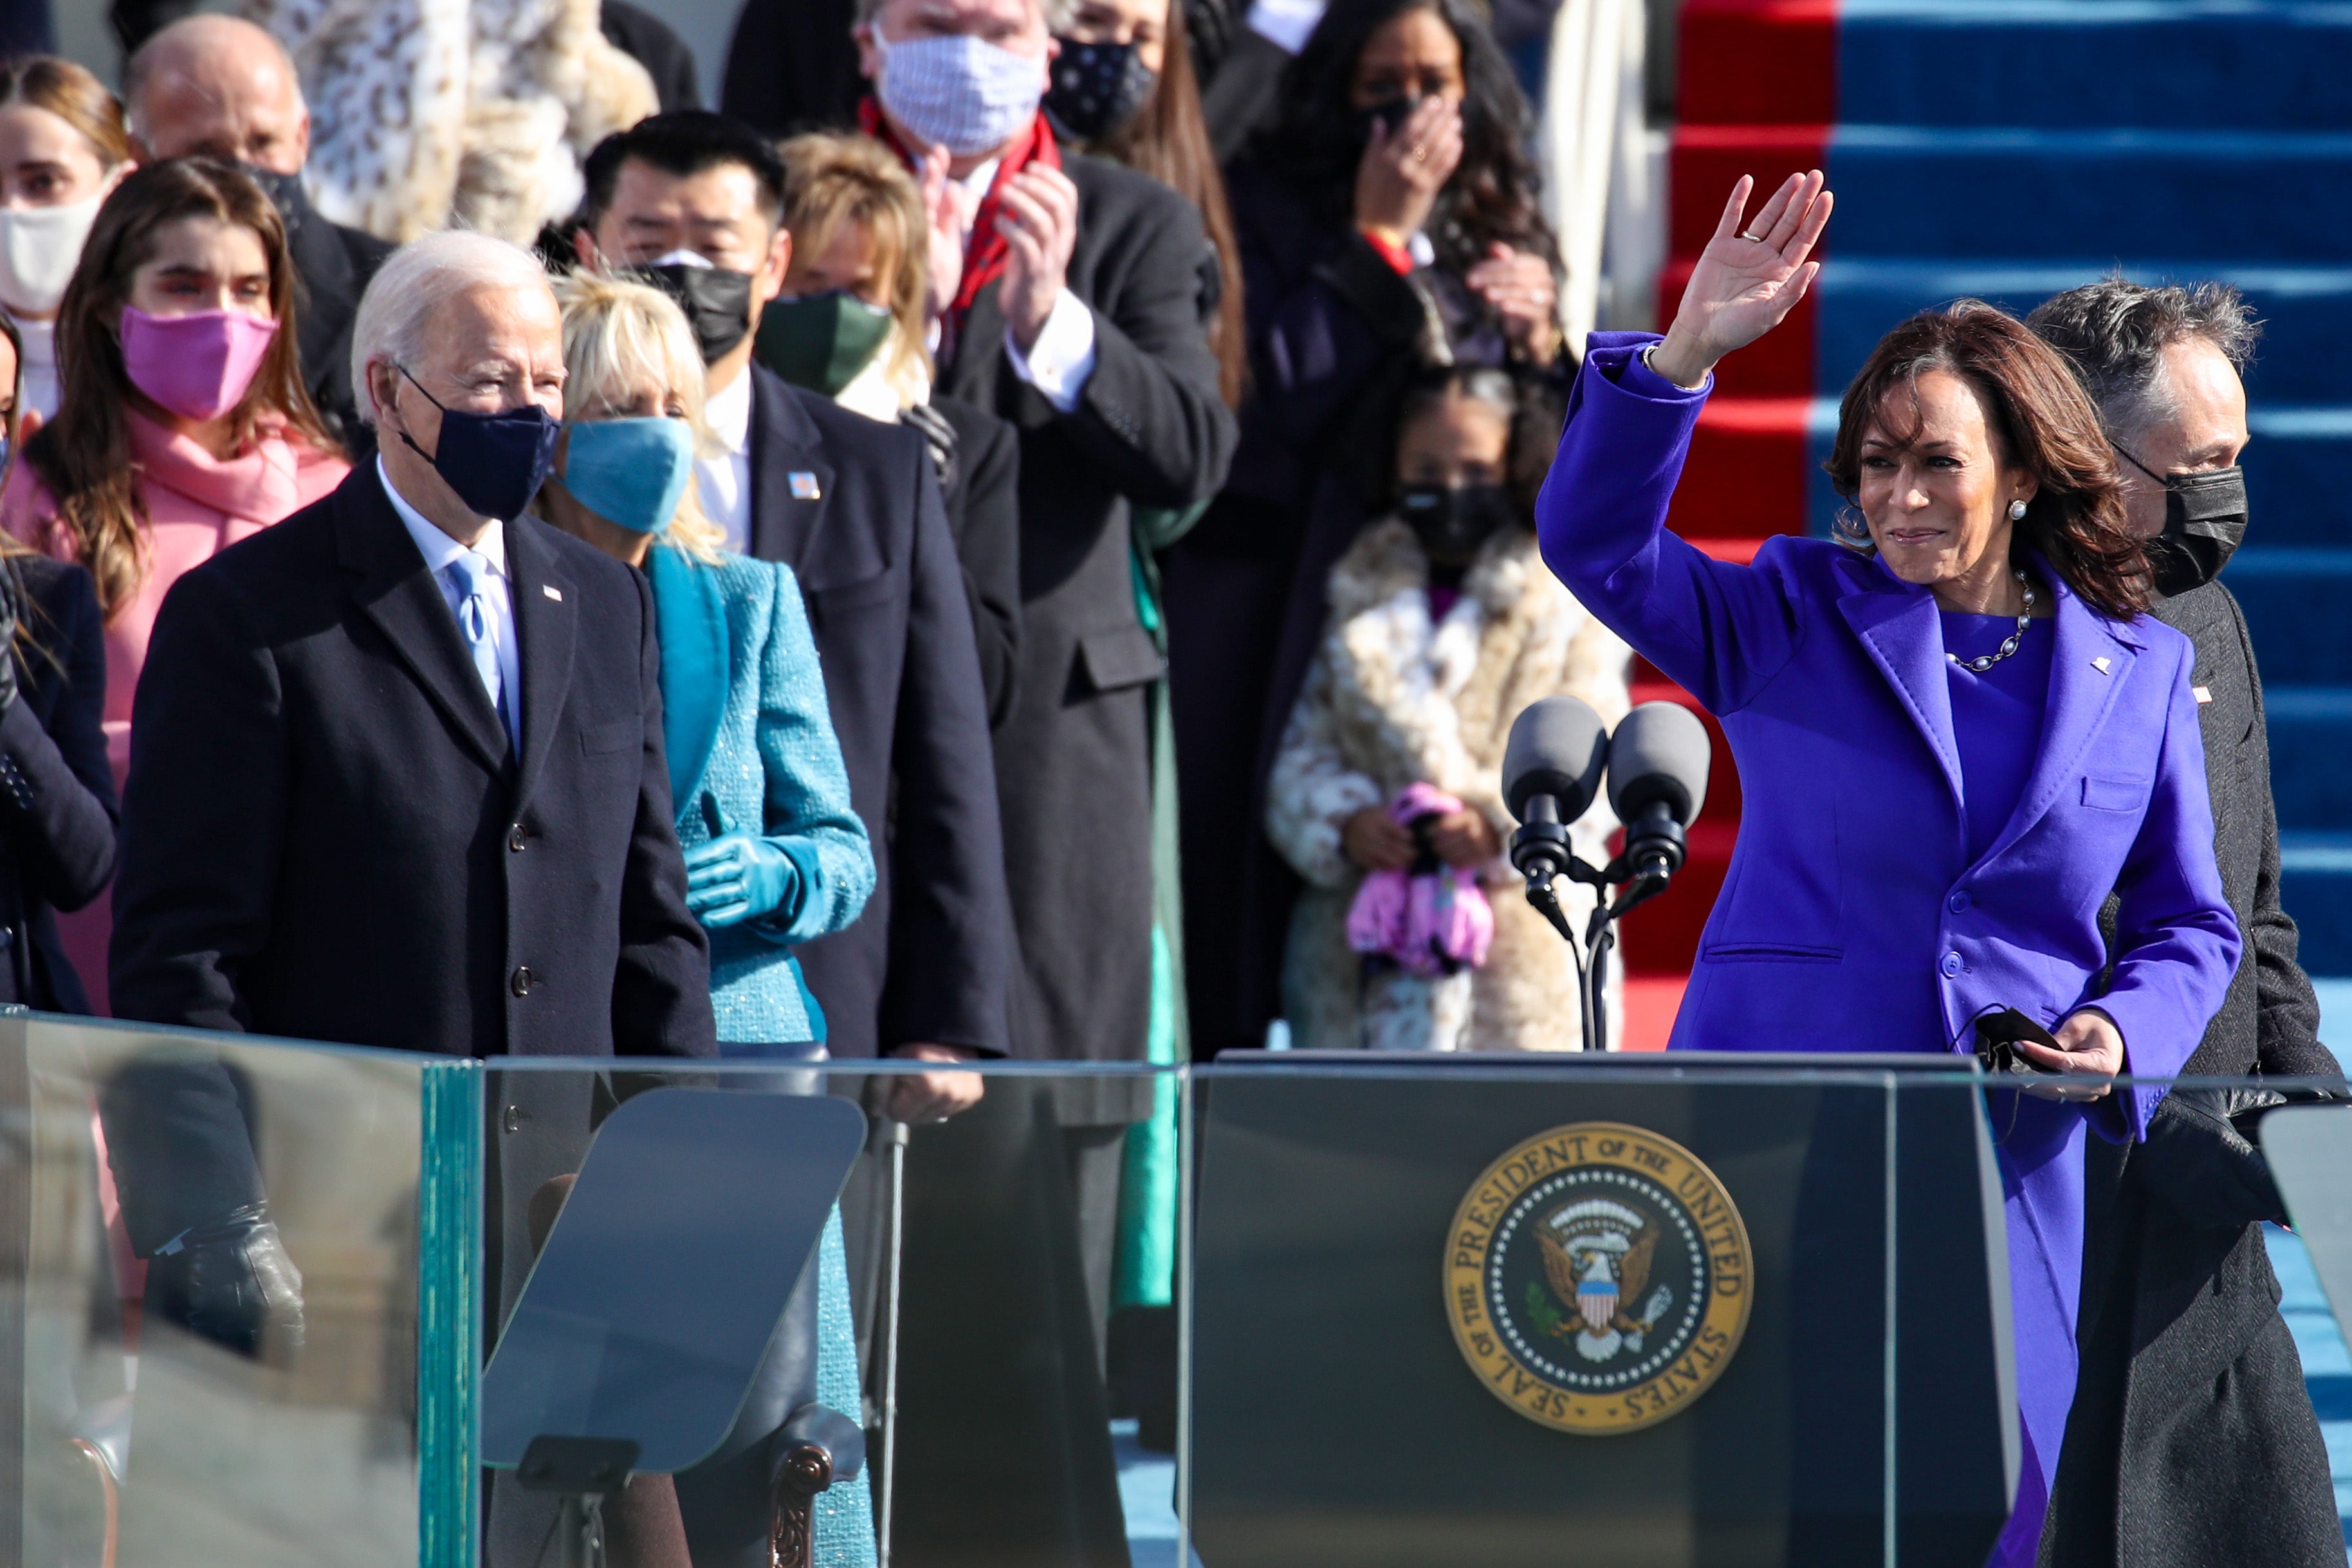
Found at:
<point>737,877</point>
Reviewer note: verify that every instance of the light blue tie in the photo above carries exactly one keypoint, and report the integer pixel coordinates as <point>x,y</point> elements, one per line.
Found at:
<point>466,574</point>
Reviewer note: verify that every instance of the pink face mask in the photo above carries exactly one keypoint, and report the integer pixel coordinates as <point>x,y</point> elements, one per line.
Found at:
<point>197,365</point>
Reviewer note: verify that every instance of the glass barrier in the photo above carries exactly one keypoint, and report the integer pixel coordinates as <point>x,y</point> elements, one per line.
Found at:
<point>211,1292</point>
<point>269,1303</point>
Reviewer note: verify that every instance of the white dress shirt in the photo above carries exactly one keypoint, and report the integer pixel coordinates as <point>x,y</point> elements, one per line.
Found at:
<point>1065,355</point>
<point>440,552</point>
<point>725,481</point>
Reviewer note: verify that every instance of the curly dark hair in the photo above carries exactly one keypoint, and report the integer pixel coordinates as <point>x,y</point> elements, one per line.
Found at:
<point>2040,421</point>
<point>1317,142</point>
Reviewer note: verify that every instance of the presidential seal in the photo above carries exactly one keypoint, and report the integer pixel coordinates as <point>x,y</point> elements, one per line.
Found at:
<point>1598,1277</point>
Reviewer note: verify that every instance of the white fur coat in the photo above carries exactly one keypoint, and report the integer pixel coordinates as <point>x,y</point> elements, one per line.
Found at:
<point>1392,698</point>
<point>430,113</point>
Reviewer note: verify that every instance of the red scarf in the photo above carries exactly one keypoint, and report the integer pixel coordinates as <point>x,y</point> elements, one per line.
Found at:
<point>984,250</point>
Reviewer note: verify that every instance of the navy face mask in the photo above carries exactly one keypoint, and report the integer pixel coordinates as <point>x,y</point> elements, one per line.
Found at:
<point>495,462</point>
<point>1097,88</point>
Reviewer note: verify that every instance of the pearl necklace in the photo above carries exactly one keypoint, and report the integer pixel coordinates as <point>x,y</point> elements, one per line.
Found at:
<point>2008,643</point>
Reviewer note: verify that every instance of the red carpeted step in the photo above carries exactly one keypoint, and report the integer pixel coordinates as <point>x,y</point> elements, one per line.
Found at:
<point>1759,92</point>
<point>1777,366</point>
<point>1662,936</point>
<point>1651,1002</point>
<point>1708,160</point>
<point>1758,61</point>
<point>1747,472</point>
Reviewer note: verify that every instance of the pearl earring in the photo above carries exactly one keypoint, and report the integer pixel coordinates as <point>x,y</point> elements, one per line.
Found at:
<point>2017,511</point>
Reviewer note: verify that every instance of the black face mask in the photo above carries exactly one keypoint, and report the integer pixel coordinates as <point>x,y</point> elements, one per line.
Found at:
<point>1097,88</point>
<point>1389,115</point>
<point>717,302</point>
<point>2204,523</point>
<point>1451,522</point>
<point>285,193</point>
<point>494,461</point>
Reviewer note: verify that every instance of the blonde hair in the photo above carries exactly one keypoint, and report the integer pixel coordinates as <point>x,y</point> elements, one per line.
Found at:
<point>618,333</point>
<point>831,180</point>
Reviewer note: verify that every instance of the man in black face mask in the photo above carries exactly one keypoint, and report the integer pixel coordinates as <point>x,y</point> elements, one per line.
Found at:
<point>215,87</point>
<point>2192,1439</point>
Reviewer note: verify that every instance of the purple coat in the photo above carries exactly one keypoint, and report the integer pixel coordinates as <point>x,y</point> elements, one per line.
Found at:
<point>1852,918</point>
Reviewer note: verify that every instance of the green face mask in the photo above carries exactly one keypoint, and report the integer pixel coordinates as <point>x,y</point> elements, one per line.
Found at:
<point>821,341</point>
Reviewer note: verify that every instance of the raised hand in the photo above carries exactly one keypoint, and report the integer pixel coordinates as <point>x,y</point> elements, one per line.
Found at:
<point>1748,280</point>
<point>1038,216</point>
<point>1401,171</point>
<point>1519,288</point>
<point>948,210</point>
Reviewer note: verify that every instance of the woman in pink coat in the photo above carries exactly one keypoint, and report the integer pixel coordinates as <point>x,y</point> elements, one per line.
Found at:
<point>183,425</point>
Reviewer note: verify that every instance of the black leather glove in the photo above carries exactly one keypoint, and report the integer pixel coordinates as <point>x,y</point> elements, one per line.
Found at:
<point>2198,1161</point>
<point>231,1282</point>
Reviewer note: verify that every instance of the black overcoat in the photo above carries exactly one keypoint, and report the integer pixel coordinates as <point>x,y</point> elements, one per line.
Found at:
<point>1333,333</point>
<point>57,789</point>
<point>852,506</point>
<point>334,265</point>
<point>983,505</point>
<point>327,836</point>
<point>1073,759</point>
<point>2192,1439</point>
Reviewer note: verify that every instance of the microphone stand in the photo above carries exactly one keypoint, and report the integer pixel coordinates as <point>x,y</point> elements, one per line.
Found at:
<point>1654,849</point>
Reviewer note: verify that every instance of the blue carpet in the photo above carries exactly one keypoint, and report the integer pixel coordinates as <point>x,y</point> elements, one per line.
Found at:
<point>1147,1488</point>
<point>2326,1365</point>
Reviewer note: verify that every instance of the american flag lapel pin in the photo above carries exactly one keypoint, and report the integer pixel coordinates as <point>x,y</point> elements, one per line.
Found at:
<point>2100,664</point>
<point>2203,694</point>
<point>552,591</point>
<point>804,485</point>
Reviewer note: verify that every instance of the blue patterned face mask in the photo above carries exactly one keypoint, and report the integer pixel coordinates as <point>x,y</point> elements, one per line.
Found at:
<point>630,472</point>
<point>961,93</point>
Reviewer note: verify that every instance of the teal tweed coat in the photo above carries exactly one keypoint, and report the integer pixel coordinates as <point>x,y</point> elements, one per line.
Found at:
<point>752,748</point>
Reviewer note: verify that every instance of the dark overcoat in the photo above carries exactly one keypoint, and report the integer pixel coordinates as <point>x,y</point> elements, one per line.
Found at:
<point>327,836</point>
<point>1333,332</point>
<point>852,506</point>
<point>983,496</point>
<point>334,265</point>
<point>2192,1439</point>
<point>56,791</point>
<point>1074,758</point>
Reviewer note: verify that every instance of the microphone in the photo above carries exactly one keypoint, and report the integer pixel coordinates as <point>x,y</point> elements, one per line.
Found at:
<point>1657,782</point>
<point>1552,768</point>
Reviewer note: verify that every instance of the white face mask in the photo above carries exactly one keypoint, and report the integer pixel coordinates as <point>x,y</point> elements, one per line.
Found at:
<point>957,92</point>
<point>38,249</point>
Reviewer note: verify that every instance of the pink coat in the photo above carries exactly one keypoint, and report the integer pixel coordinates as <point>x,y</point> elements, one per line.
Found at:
<point>197,505</point>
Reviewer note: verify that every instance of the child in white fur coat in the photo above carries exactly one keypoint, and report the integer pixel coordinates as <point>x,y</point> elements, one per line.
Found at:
<point>1444,624</point>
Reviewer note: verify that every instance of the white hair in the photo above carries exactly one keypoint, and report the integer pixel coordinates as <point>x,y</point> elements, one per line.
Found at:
<point>418,279</point>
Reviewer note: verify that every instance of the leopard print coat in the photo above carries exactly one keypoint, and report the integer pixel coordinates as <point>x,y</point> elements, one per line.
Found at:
<point>426,114</point>
<point>1392,698</point>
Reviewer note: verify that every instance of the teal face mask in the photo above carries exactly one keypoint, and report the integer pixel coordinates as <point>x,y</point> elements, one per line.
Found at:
<point>822,340</point>
<point>630,472</point>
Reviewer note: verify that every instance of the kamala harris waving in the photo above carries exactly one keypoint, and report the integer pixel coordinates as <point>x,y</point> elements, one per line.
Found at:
<point>1955,732</point>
